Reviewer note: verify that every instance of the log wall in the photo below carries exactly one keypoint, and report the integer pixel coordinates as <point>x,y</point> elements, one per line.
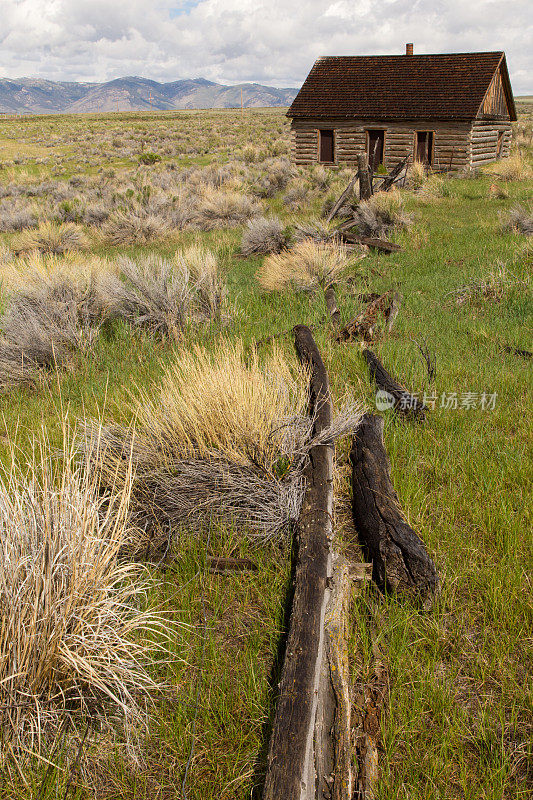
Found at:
<point>484,140</point>
<point>456,144</point>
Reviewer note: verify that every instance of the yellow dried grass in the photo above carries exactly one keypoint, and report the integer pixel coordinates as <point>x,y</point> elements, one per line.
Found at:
<point>308,265</point>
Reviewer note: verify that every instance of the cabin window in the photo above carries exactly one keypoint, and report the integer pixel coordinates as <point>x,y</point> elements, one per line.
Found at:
<point>375,147</point>
<point>326,151</point>
<point>499,146</point>
<point>424,147</point>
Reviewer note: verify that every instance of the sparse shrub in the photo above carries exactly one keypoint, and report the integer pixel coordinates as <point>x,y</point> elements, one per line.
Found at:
<point>306,266</point>
<point>208,286</point>
<point>73,638</point>
<point>134,226</point>
<point>47,320</point>
<point>163,296</point>
<point>148,293</point>
<point>224,437</point>
<point>380,214</point>
<point>52,237</point>
<point>149,158</point>
<point>296,194</point>
<point>16,218</point>
<point>520,220</point>
<point>263,235</point>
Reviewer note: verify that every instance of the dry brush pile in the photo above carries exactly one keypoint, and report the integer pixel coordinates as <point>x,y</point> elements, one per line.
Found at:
<point>225,438</point>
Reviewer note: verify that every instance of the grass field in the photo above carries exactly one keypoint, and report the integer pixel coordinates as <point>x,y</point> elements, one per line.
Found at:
<point>458,711</point>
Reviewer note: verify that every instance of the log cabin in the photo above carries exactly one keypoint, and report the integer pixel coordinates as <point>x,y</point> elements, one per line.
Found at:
<point>449,111</point>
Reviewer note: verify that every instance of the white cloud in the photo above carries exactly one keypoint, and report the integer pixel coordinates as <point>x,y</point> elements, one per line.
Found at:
<point>273,41</point>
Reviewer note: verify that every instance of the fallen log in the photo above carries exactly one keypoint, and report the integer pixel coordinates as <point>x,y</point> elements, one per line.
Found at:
<point>348,192</point>
<point>401,563</point>
<point>400,398</point>
<point>394,174</point>
<point>310,752</point>
<point>382,245</point>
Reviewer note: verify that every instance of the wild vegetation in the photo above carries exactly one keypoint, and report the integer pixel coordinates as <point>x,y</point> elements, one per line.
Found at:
<point>146,307</point>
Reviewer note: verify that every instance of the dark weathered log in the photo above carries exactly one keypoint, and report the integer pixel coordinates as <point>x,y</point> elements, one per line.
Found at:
<point>291,771</point>
<point>402,400</point>
<point>348,192</point>
<point>400,560</point>
<point>377,244</point>
<point>331,305</point>
<point>365,187</point>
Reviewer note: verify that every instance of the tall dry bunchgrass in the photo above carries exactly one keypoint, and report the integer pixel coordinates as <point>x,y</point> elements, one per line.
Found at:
<point>306,266</point>
<point>51,237</point>
<point>225,437</point>
<point>74,638</point>
<point>416,174</point>
<point>208,283</point>
<point>513,168</point>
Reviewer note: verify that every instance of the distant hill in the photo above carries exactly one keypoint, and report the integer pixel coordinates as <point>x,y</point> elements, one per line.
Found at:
<point>34,96</point>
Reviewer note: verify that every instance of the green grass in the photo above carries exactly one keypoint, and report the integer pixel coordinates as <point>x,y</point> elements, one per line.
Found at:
<point>458,719</point>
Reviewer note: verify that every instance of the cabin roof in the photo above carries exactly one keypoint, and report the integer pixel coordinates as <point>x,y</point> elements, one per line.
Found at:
<point>442,86</point>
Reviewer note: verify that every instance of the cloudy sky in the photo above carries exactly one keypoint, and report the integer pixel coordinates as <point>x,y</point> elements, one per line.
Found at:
<point>269,41</point>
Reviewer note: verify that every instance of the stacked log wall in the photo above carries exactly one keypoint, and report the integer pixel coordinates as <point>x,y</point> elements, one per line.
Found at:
<point>484,138</point>
<point>452,142</point>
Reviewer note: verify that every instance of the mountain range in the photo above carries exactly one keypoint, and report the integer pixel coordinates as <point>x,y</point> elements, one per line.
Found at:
<point>35,96</point>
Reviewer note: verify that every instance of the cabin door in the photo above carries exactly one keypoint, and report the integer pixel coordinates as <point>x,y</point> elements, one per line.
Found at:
<point>325,147</point>
<point>424,147</point>
<point>376,148</point>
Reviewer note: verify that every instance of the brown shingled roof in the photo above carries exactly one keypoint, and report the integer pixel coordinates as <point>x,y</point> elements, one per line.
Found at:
<point>400,87</point>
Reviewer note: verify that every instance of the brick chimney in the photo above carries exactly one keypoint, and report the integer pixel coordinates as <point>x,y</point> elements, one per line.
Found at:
<point>409,49</point>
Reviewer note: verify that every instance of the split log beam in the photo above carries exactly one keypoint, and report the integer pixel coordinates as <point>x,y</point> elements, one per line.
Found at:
<point>401,562</point>
<point>404,402</point>
<point>291,763</point>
